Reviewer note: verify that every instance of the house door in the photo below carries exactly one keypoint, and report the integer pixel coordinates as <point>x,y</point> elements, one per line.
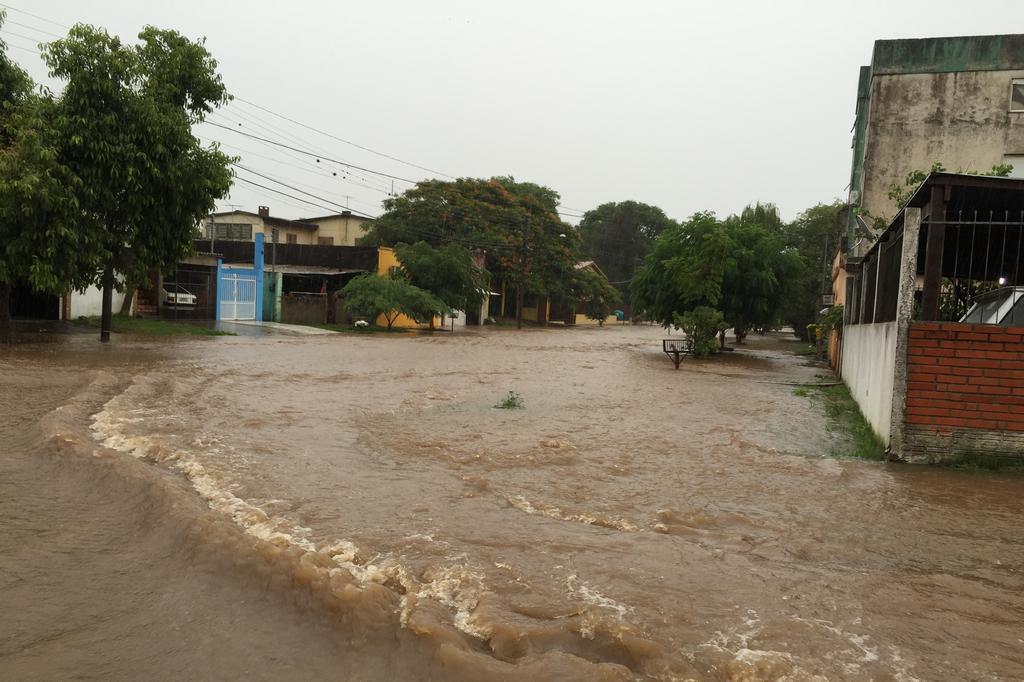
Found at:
<point>237,298</point>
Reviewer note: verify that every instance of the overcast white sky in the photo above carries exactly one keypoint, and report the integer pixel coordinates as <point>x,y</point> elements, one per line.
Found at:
<point>686,105</point>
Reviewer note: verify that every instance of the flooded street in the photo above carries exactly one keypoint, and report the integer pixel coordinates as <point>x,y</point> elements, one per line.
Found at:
<point>354,507</point>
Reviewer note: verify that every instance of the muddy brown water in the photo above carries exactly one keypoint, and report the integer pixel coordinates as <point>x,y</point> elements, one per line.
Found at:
<point>354,507</point>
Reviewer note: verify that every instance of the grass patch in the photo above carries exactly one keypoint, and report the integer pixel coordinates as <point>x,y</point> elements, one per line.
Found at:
<point>122,324</point>
<point>512,401</point>
<point>843,411</point>
<point>844,415</point>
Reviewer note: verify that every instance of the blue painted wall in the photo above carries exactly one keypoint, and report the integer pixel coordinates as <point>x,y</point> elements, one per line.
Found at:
<point>257,265</point>
<point>220,274</point>
<point>256,271</point>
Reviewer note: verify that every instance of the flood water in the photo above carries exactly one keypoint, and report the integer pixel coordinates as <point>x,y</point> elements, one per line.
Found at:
<point>354,507</point>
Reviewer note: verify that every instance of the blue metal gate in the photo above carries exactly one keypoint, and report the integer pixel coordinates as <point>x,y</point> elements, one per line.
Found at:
<point>237,296</point>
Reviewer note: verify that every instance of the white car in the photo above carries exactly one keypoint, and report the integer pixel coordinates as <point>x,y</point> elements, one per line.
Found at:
<point>180,296</point>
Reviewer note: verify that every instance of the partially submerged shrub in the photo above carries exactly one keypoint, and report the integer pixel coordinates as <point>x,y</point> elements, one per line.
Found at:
<point>511,402</point>
<point>701,325</point>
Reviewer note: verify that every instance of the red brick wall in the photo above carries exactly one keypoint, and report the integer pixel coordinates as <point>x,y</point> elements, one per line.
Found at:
<point>965,377</point>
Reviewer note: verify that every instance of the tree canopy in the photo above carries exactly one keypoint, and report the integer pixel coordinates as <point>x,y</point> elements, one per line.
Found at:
<point>815,235</point>
<point>515,223</point>
<point>684,269</point>
<point>761,271</point>
<point>46,243</point>
<point>373,295</point>
<point>739,268</point>
<point>618,235</point>
<point>449,272</point>
<point>123,126</point>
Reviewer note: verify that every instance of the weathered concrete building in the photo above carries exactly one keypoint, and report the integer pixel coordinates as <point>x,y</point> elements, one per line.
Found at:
<point>957,101</point>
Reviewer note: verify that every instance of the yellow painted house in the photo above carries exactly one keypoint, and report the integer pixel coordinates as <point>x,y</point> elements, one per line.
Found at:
<point>387,265</point>
<point>543,311</point>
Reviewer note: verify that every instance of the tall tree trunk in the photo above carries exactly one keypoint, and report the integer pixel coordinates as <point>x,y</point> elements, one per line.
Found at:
<point>108,299</point>
<point>519,307</point>
<point>6,332</point>
<point>126,304</point>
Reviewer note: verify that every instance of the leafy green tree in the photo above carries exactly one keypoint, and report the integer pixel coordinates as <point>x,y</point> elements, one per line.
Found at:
<point>45,244</point>
<point>123,125</point>
<point>372,295</point>
<point>683,270</point>
<point>527,246</point>
<point>741,269</point>
<point>766,215</point>
<point>617,236</point>
<point>701,325</point>
<point>759,275</point>
<point>449,272</point>
<point>596,295</point>
<point>815,235</point>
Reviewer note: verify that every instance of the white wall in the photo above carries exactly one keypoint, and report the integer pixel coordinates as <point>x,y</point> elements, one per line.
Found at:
<point>460,321</point>
<point>869,362</point>
<point>90,302</point>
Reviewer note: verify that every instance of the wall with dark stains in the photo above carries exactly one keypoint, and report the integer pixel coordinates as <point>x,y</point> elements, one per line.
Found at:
<point>960,119</point>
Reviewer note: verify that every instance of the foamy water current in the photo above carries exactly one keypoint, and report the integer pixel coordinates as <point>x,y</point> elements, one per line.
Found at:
<point>354,507</point>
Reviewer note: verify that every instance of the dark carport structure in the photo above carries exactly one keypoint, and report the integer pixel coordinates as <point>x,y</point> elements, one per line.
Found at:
<point>301,281</point>
<point>935,387</point>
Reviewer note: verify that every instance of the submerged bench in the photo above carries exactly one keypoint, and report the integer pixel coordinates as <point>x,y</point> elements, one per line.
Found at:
<point>675,349</point>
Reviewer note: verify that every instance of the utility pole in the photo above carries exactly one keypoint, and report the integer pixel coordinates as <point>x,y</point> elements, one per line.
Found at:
<point>523,251</point>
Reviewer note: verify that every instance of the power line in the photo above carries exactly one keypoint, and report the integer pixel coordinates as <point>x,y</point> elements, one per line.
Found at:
<point>292,196</point>
<point>340,139</point>
<point>260,107</point>
<point>333,174</point>
<point>296,189</point>
<point>249,119</point>
<point>305,166</point>
<point>311,170</point>
<point>26,49</point>
<point>318,156</point>
<point>24,37</point>
<point>34,16</point>
<point>32,28</point>
<point>253,120</point>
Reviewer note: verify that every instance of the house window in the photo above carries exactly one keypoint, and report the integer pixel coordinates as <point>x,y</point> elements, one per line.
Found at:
<point>1017,95</point>
<point>325,241</point>
<point>1017,161</point>
<point>293,238</point>
<point>239,232</point>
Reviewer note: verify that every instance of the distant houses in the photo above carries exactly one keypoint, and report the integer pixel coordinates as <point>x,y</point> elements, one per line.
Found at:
<point>258,267</point>
<point>549,311</point>
<point>336,229</point>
